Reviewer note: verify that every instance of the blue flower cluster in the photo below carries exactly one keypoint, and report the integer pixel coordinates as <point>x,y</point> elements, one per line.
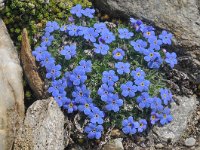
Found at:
<point>150,45</point>
<point>100,37</point>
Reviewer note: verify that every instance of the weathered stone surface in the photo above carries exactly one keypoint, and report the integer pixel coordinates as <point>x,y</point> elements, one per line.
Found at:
<point>30,68</point>
<point>11,90</point>
<point>181,113</point>
<point>43,127</point>
<point>181,17</point>
<point>115,144</point>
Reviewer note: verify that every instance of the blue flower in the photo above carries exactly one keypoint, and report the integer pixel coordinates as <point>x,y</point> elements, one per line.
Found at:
<point>88,12</point>
<point>70,107</point>
<point>107,36</point>
<point>156,104</point>
<point>118,54</point>
<point>122,67</point>
<point>171,59</point>
<point>109,77</point>
<point>113,103</point>
<point>87,65</point>
<point>67,78</point>
<point>104,91</point>
<point>78,76</point>
<point>81,30</point>
<point>166,95</point>
<point>77,10</point>
<point>96,116</point>
<point>165,117</point>
<point>166,37</point>
<point>64,28</point>
<point>101,48</point>
<point>53,71</point>
<point>148,34</point>
<point>86,106</point>
<point>90,35</point>
<point>80,93</point>
<point>156,62</point>
<point>69,51</point>
<point>93,131</point>
<point>139,45</point>
<point>100,27</point>
<point>154,43</point>
<point>129,126</point>
<point>47,39</point>
<point>61,99</point>
<point>124,33</point>
<point>47,59</point>
<point>128,89</point>
<point>136,24</point>
<point>151,55</point>
<point>143,125</point>
<point>138,74</point>
<point>154,117</point>
<point>72,30</point>
<point>39,52</point>
<point>52,26</point>
<point>143,100</point>
<point>57,86</point>
<point>142,85</point>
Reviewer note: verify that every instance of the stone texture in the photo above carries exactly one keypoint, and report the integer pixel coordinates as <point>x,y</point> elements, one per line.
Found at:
<point>181,113</point>
<point>190,141</point>
<point>115,144</point>
<point>43,127</point>
<point>11,90</point>
<point>181,17</point>
<point>30,68</point>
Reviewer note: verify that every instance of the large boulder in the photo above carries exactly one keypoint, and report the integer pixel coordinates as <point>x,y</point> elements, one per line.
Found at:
<point>43,127</point>
<point>181,17</point>
<point>11,90</point>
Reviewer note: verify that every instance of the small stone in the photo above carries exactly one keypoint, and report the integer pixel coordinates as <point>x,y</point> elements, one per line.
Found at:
<point>115,144</point>
<point>159,146</point>
<point>116,133</point>
<point>190,142</point>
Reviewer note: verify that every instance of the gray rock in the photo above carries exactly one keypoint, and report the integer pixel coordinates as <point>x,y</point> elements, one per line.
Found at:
<point>115,144</point>
<point>43,127</point>
<point>182,114</point>
<point>181,17</point>
<point>190,141</point>
<point>11,90</point>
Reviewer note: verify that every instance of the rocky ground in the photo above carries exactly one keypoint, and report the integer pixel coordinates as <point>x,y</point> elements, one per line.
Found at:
<point>41,126</point>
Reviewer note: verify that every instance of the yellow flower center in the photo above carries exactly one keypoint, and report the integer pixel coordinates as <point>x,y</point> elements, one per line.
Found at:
<point>71,105</point>
<point>118,54</point>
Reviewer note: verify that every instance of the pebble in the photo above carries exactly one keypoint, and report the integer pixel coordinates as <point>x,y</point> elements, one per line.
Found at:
<point>115,144</point>
<point>159,146</point>
<point>190,141</point>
